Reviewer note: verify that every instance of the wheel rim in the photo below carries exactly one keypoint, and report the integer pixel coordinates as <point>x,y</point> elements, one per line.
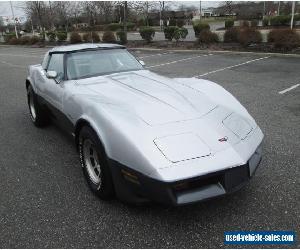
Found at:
<point>91,160</point>
<point>31,107</point>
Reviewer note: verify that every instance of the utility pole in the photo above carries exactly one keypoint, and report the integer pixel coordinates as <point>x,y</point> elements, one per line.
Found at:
<point>13,14</point>
<point>200,11</point>
<point>278,10</point>
<point>293,13</point>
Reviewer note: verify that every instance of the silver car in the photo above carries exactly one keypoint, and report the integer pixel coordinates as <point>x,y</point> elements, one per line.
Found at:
<point>142,136</point>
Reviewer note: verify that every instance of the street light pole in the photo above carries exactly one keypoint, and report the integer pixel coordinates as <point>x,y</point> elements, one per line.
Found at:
<point>13,14</point>
<point>293,13</point>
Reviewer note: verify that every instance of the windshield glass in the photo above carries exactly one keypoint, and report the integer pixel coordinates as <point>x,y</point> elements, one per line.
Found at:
<point>100,62</point>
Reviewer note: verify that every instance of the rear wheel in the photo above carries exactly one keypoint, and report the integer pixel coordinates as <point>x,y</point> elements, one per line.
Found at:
<point>94,164</point>
<point>37,114</point>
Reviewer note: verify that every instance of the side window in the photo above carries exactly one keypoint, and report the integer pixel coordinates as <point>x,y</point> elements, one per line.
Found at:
<point>57,64</point>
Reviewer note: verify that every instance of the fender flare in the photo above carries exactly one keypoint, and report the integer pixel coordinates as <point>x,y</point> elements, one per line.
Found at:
<point>84,121</point>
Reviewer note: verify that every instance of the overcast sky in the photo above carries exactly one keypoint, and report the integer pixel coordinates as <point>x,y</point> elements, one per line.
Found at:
<point>5,6</point>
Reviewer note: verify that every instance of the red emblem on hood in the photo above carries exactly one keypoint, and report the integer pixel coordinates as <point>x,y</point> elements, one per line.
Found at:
<point>223,139</point>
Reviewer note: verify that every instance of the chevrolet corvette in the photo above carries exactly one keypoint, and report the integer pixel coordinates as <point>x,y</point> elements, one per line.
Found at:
<point>142,136</point>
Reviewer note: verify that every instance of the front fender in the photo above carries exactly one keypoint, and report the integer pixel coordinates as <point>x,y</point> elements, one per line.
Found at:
<point>34,77</point>
<point>125,137</point>
<point>218,94</point>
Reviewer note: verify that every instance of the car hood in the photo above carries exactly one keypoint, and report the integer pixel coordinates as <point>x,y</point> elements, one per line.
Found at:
<point>155,99</point>
<point>188,119</point>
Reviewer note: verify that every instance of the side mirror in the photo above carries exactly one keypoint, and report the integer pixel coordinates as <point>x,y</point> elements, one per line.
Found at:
<point>51,74</point>
<point>142,62</point>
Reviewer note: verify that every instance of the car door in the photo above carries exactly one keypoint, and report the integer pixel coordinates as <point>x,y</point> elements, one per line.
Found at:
<point>54,88</point>
<point>54,91</point>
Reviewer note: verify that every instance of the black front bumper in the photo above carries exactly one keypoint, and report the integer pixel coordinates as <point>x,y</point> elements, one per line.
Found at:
<point>134,187</point>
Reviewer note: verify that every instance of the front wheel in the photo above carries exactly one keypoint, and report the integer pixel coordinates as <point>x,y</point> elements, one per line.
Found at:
<point>37,114</point>
<point>94,164</point>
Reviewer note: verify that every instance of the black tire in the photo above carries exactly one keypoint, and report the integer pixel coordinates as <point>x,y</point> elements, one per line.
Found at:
<point>38,116</point>
<point>105,188</point>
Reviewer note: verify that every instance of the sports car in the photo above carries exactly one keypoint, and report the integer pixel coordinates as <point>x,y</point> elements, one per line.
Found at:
<point>142,136</point>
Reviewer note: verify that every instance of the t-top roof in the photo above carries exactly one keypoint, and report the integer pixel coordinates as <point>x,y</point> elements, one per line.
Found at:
<point>84,46</point>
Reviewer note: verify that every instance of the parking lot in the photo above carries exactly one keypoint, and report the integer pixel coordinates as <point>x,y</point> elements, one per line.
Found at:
<point>45,201</point>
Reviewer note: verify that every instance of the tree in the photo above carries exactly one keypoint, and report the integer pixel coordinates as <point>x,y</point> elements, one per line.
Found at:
<point>125,20</point>
<point>143,8</point>
<point>161,14</point>
<point>89,11</point>
<point>293,14</point>
<point>182,7</point>
<point>1,25</point>
<point>62,12</point>
<point>104,9</point>
<point>75,12</point>
<point>163,7</point>
<point>36,10</point>
<point>229,7</point>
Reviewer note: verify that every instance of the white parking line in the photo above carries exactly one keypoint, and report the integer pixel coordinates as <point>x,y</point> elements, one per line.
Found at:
<point>232,66</point>
<point>180,60</point>
<point>159,54</point>
<point>13,65</point>
<point>288,89</point>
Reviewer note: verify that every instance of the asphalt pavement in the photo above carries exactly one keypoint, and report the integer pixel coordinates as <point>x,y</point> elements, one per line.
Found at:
<point>45,201</point>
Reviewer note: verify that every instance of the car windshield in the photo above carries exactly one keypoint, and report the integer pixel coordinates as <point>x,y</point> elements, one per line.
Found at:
<point>100,62</point>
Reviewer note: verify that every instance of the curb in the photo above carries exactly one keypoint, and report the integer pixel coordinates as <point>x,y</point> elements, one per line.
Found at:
<point>219,52</point>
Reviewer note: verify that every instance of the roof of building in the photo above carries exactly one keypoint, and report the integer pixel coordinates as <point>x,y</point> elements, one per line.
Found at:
<point>84,46</point>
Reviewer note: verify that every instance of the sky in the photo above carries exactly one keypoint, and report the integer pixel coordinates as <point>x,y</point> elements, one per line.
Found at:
<point>5,10</point>
<point>19,12</point>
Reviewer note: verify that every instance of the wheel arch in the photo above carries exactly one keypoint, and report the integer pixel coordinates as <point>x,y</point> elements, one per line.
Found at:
<point>79,125</point>
<point>27,83</point>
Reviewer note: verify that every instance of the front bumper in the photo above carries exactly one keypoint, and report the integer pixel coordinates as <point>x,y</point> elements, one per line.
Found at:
<point>134,187</point>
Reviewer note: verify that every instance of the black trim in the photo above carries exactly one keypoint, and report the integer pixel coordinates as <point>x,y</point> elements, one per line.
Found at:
<point>133,192</point>
<point>57,116</point>
<point>134,187</point>
<point>87,49</point>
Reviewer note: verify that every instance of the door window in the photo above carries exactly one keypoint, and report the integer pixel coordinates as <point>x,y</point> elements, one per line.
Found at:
<point>57,64</point>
